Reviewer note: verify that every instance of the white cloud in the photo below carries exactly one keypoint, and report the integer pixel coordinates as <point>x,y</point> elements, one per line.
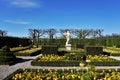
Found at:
<point>16,22</point>
<point>24,3</point>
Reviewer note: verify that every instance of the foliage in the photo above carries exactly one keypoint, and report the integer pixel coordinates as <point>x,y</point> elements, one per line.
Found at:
<point>15,49</point>
<point>64,74</point>
<point>14,41</point>
<point>73,59</point>
<point>6,56</point>
<point>114,51</point>
<point>94,50</point>
<point>50,49</point>
<point>29,52</point>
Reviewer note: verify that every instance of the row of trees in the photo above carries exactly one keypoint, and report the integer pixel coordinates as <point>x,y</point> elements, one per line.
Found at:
<point>54,33</point>
<point>75,33</point>
<point>36,34</point>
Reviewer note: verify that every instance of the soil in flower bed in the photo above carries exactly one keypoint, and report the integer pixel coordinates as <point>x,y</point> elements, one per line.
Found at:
<point>64,74</point>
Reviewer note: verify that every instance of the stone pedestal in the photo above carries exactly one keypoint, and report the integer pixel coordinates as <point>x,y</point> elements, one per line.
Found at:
<point>68,47</point>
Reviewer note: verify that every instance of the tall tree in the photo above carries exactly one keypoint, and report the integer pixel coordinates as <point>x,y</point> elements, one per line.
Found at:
<point>62,31</point>
<point>35,34</point>
<point>97,33</point>
<point>51,32</point>
<point>82,33</point>
<point>32,35</point>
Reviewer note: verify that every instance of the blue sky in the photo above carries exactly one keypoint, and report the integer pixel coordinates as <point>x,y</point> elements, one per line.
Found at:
<point>17,16</point>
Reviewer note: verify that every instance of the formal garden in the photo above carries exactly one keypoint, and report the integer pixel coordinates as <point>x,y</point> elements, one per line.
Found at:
<point>85,54</point>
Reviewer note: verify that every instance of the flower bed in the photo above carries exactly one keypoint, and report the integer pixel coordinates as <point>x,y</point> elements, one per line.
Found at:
<point>64,74</point>
<point>54,60</point>
<point>74,60</point>
<point>15,49</point>
<point>113,51</point>
<point>29,52</point>
<point>101,60</point>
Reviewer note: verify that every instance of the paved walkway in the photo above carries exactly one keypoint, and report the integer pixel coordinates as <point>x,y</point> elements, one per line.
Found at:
<point>6,70</point>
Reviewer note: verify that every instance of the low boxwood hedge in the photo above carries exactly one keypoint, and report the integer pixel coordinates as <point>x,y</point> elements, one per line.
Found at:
<point>29,52</point>
<point>55,63</point>
<point>115,54</point>
<point>106,63</point>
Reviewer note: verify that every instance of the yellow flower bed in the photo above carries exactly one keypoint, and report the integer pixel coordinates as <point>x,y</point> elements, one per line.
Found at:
<point>29,50</point>
<point>67,74</point>
<point>18,48</point>
<point>112,50</point>
<point>100,58</point>
<point>50,57</point>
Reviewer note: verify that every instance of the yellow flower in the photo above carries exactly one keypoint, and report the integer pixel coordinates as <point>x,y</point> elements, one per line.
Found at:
<point>81,64</point>
<point>88,60</point>
<point>116,69</point>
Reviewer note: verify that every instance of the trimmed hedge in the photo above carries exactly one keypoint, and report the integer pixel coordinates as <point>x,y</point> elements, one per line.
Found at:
<point>14,41</point>
<point>94,42</point>
<point>114,54</point>
<point>106,63</point>
<point>80,46</point>
<point>6,56</point>
<point>50,49</point>
<point>29,52</point>
<point>15,49</point>
<point>72,63</point>
<point>94,50</point>
<point>55,63</point>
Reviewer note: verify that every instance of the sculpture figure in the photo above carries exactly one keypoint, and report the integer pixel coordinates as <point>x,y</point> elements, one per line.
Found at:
<point>67,36</point>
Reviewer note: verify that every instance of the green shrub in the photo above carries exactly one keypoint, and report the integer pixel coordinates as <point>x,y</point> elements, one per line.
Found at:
<point>50,49</point>
<point>6,56</point>
<point>94,50</point>
<point>14,41</point>
<point>80,46</point>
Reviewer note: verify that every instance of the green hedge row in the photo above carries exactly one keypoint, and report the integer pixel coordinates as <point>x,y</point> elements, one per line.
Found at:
<point>55,63</point>
<point>106,63</point>
<point>94,50</point>
<point>13,41</point>
<point>72,63</point>
<point>31,53</point>
<point>76,42</point>
<point>6,56</point>
<point>49,49</point>
<point>115,54</point>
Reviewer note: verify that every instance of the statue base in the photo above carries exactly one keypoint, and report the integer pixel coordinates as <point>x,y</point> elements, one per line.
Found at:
<point>68,47</point>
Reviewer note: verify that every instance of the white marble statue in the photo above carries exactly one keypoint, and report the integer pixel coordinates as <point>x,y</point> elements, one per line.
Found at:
<point>67,36</point>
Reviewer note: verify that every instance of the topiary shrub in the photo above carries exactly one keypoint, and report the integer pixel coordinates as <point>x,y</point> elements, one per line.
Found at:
<point>94,50</point>
<point>50,49</point>
<point>6,56</point>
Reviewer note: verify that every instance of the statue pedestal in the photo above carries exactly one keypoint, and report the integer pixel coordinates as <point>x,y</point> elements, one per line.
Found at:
<point>68,47</point>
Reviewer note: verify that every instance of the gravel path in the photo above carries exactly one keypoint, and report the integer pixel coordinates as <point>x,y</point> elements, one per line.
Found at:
<point>6,70</point>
